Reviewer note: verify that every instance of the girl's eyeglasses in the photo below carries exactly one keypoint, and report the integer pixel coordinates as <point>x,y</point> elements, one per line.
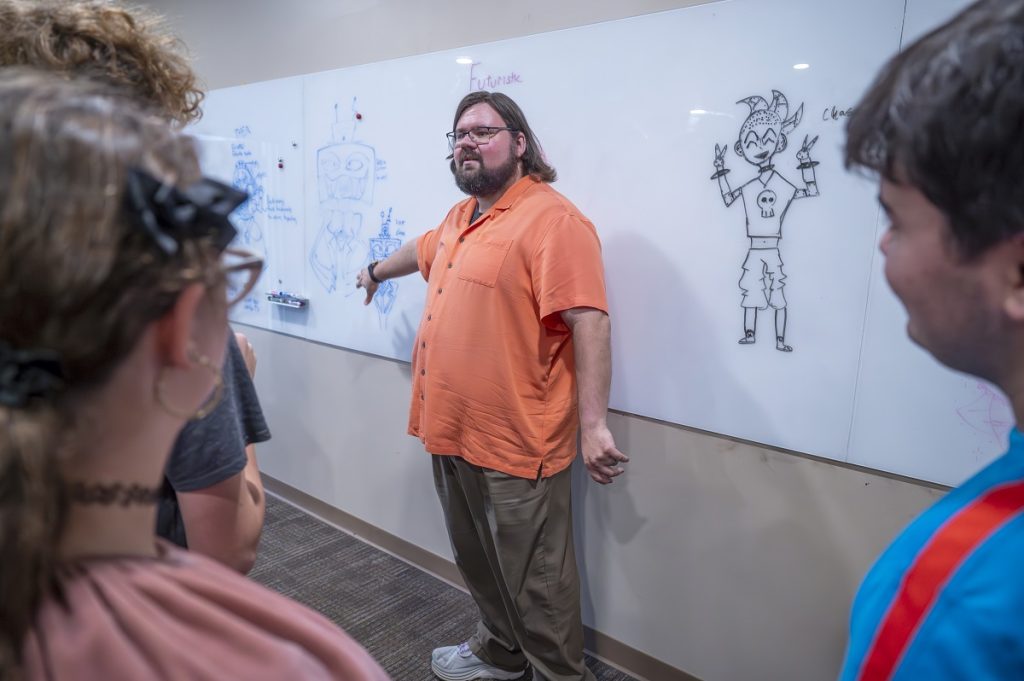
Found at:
<point>242,270</point>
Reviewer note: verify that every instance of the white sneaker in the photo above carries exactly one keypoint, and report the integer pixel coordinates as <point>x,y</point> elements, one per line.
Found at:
<point>458,663</point>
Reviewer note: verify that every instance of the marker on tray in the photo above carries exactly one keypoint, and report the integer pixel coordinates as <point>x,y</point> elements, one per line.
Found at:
<point>287,299</point>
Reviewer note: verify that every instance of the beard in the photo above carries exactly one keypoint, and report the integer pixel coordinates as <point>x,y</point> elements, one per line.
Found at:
<point>485,181</point>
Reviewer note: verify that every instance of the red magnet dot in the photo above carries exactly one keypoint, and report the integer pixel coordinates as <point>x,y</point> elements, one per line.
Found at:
<point>359,116</point>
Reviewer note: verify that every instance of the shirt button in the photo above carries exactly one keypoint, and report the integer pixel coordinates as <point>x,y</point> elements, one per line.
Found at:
<point>439,291</point>
<point>461,239</point>
<point>423,372</point>
<point>424,344</point>
<point>428,318</point>
<point>449,265</point>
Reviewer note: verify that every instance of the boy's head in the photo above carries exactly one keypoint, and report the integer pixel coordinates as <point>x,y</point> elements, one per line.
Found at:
<point>941,127</point>
<point>946,116</point>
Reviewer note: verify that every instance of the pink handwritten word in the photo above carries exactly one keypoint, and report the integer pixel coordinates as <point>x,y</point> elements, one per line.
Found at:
<point>990,414</point>
<point>491,81</point>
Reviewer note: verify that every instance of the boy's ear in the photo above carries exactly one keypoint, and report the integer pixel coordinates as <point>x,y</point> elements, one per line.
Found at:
<point>1014,303</point>
<point>176,328</point>
<point>783,143</point>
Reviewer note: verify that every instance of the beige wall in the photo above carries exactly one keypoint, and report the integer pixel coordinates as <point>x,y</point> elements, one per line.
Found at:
<point>727,560</point>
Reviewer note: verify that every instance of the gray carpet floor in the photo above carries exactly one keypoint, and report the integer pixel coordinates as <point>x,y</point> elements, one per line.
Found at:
<point>397,612</point>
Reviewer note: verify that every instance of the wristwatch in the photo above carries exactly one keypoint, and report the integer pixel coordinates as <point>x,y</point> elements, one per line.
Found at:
<point>369,270</point>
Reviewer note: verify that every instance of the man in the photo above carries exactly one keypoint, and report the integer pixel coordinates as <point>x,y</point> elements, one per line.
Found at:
<point>213,497</point>
<point>512,358</point>
<point>941,127</point>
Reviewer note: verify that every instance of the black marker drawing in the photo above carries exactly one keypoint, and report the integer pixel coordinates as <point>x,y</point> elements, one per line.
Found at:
<point>766,200</point>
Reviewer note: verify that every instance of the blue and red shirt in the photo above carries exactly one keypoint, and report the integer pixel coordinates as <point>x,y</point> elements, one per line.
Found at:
<point>946,599</point>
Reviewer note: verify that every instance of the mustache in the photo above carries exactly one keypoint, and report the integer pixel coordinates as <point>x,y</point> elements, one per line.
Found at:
<point>466,156</point>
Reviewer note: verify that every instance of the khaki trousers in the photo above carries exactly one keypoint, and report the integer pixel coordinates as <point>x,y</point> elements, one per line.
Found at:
<point>512,540</point>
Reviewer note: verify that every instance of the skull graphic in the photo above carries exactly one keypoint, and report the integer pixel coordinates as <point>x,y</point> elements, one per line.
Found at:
<point>766,201</point>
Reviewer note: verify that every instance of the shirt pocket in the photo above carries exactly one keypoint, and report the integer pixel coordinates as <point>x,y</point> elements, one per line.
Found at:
<point>438,261</point>
<point>482,261</point>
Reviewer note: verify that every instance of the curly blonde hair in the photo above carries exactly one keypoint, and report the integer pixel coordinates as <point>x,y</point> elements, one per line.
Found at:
<point>125,47</point>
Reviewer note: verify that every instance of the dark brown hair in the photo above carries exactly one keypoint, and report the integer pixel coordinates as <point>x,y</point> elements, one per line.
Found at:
<point>128,49</point>
<point>533,161</point>
<point>945,116</point>
<point>78,278</point>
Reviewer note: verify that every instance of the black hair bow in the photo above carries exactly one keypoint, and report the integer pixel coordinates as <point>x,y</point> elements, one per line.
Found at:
<point>171,215</point>
<point>25,374</point>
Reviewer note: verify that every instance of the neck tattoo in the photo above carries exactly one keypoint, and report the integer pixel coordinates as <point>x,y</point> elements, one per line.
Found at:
<point>112,494</point>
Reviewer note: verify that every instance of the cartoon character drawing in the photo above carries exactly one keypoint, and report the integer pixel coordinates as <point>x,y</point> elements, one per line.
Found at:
<point>249,178</point>
<point>766,201</point>
<point>381,246</point>
<point>346,172</point>
<point>248,217</point>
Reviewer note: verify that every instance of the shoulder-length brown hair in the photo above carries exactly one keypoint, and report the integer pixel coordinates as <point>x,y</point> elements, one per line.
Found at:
<point>533,161</point>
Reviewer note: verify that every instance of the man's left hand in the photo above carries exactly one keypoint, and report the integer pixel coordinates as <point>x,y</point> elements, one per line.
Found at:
<point>600,454</point>
<point>363,281</point>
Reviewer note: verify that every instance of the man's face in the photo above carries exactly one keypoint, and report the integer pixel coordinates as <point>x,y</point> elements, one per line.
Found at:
<point>954,305</point>
<point>484,169</point>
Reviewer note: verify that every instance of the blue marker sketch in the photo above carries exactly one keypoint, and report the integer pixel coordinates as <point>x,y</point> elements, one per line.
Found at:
<point>766,200</point>
<point>381,246</point>
<point>346,174</point>
<point>249,178</point>
<point>259,210</point>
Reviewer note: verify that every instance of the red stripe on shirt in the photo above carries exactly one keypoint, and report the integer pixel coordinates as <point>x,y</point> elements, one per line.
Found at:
<point>932,570</point>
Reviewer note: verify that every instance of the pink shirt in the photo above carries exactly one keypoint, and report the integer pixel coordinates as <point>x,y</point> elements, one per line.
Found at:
<point>183,616</point>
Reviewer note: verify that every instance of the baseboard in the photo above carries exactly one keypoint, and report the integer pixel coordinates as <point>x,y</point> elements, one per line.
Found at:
<point>385,541</point>
<point>610,651</point>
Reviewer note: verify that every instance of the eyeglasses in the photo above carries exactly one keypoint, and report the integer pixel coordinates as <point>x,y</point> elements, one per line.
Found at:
<point>481,135</point>
<point>241,270</point>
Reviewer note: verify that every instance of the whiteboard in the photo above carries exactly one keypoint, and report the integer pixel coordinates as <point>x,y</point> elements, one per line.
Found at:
<point>912,415</point>
<point>251,138</point>
<point>924,15</point>
<point>377,178</point>
<point>631,113</point>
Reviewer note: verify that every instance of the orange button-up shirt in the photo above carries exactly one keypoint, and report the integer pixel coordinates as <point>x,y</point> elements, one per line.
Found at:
<point>494,377</point>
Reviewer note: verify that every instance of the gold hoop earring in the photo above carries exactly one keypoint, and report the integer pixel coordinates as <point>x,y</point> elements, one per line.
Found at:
<point>204,409</point>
